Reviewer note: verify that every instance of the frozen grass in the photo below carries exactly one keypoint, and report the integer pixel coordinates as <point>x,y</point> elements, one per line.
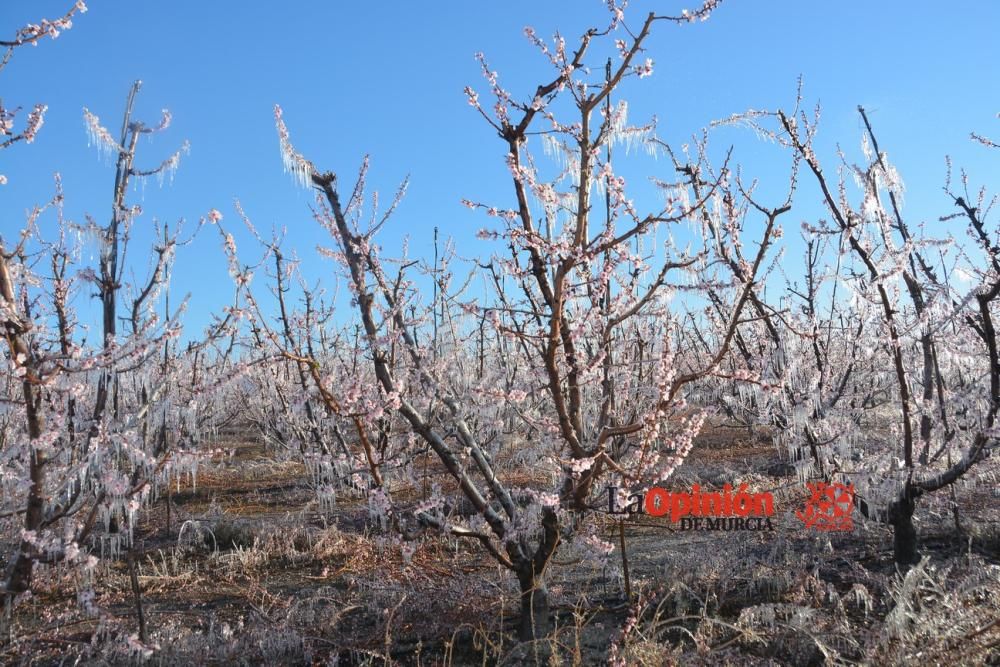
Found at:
<point>252,573</point>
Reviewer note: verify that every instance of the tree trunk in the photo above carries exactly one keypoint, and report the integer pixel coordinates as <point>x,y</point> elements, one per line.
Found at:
<point>534,620</point>
<point>904,534</point>
<point>18,575</point>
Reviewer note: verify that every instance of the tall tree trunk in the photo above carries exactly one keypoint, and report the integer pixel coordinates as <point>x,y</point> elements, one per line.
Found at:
<point>534,619</point>
<point>904,534</point>
<point>18,575</point>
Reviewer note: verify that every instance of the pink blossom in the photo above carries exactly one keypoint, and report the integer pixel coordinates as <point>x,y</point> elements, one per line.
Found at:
<point>548,499</point>
<point>35,121</point>
<point>473,96</point>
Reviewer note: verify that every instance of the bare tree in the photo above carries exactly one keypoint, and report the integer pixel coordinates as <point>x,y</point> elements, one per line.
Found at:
<point>581,291</point>
<point>921,415</point>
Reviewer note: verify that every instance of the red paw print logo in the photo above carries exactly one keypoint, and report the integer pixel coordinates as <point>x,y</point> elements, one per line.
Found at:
<point>830,507</point>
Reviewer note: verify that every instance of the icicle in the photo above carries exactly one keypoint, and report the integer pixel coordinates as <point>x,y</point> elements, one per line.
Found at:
<point>293,161</point>
<point>98,136</point>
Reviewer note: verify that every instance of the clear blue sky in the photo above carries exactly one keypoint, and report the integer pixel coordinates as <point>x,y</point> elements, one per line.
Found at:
<point>387,79</point>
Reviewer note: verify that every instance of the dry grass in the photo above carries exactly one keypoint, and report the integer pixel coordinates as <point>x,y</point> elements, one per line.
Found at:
<point>250,571</point>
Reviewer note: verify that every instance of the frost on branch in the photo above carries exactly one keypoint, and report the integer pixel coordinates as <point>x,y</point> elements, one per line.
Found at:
<point>99,137</point>
<point>299,167</point>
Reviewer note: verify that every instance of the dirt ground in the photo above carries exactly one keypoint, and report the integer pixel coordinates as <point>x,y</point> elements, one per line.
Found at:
<point>250,571</point>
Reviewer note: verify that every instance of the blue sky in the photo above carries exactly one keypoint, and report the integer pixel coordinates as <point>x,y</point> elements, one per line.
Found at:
<point>387,79</point>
